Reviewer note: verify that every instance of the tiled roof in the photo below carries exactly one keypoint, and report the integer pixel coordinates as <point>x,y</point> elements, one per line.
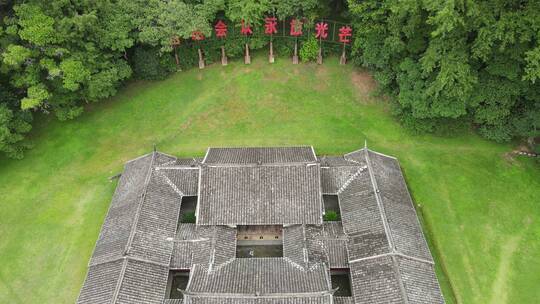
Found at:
<point>324,299</point>
<point>394,279</point>
<point>402,220</point>
<point>258,277</point>
<point>305,244</point>
<point>184,180</point>
<point>100,283</point>
<point>120,219</point>
<point>260,195</point>
<point>343,300</point>
<point>203,245</point>
<point>124,281</point>
<point>265,155</point>
<point>130,263</point>
<point>379,237</point>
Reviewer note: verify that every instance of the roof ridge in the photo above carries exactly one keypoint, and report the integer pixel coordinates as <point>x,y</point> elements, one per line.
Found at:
<point>399,279</point>
<point>132,231</point>
<point>395,253</point>
<point>255,165</point>
<point>170,183</point>
<point>258,296</point>
<point>382,212</point>
<point>349,181</point>
<point>141,201</point>
<point>120,281</point>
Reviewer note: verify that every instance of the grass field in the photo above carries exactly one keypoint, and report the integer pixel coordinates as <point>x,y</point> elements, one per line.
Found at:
<point>481,209</point>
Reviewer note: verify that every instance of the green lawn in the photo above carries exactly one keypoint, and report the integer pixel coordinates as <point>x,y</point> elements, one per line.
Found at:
<point>480,208</point>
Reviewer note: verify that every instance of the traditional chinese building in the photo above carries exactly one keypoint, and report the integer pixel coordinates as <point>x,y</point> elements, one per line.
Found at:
<point>247,226</point>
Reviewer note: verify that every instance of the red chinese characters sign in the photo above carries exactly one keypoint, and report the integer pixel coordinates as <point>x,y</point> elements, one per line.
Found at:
<point>221,29</point>
<point>296,28</point>
<point>270,25</point>
<point>245,28</point>
<point>321,30</point>
<point>345,32</point>
<point>197,36</point>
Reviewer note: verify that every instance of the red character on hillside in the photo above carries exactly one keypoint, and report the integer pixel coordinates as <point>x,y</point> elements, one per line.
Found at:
<point>197,36</point>
<point>345,32</point>
<point>296,28</point>
<point>245,29</point>
<point>221,32</point>
<point>321,30</point>
<point>270,25</point>
<point>221,29</point>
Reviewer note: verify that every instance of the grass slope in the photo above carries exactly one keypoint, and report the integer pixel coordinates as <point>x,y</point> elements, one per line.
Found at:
<point>481,208</point>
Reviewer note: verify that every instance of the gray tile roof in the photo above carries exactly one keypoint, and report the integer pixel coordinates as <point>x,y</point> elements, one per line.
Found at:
<point>264,277</point>
<point>100,283</point>
<point>304,244</point>
<point>402,219</point>
<point>266,155</point>
<point>325,299</point>
<point>116,229</point>
<point>260,195</point>
<point>203,245</point>
<point>394,279</point>
<point>184,180</point>
<point>375,281</point>
<point>343,300</point>
<point>124,281</point>
<point>379,237</point>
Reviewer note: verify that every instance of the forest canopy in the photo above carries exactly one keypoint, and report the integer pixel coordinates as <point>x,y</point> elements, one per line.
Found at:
<point>446,63</point>
<point>450,63</point>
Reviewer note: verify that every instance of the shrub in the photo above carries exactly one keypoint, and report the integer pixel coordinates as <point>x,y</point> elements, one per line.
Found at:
<point>331,216</point>
<point>188,217</point>
<point>283,47</point>
<point>149,64</point>
<point>309,50</point>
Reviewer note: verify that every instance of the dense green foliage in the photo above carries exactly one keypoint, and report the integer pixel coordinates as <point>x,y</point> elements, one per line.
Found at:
<point>58,55</point>
<point>448,64</point>
<point>148,63</point>
<point>189,217</point>
<point>53,203</point>
<point>309,50</point>
<point>455,62</point>
<point>331,216</point>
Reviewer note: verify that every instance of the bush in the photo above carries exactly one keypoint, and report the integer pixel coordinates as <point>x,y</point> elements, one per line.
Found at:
<point>189,217</point>
<point>331,216</point>
<point>309,50</point>
<point>283,47</point>
<point>148,63</point>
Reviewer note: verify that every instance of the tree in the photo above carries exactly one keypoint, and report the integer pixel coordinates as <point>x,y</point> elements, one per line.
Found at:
<point>163,20</point>
<point>61,53</point>
<point>14,123</point>
<point>449,62</point>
